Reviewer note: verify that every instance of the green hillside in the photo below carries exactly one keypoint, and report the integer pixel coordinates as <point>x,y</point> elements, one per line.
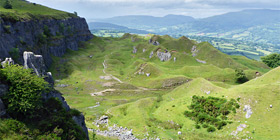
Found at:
<point>153,106</point>
<point>24,10</point>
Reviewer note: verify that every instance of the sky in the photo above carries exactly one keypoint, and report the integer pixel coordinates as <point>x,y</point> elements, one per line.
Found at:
<point>97,9</point>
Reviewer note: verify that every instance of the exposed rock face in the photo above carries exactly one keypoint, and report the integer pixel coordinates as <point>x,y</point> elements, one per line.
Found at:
<point>201,61</point>
<point>3,89</point>
<point>164,56</point>
<point>114,131</point>
<point>156,43</point>
<point>248,111</point>
<point>239,129</point>
<point>34,62</point>
<point>134,50</point>
<point>151,54</point>
<point>194,51</point>
<point>2,109</point>
<point>66,34</point>
<point>80,120</point>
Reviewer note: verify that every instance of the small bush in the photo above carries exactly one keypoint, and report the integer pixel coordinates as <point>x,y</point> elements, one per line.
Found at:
<point>211,129</point>
<point>210,111</point>
<point>8,4</point>
<point>74,112</point>
<point>197,126</point>
<point>240,76</point>
<point>24,95</point>
<point>7,29</point>
<point>14,53</point>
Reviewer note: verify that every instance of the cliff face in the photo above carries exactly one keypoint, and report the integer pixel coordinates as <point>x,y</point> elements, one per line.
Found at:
<point>44,37</point>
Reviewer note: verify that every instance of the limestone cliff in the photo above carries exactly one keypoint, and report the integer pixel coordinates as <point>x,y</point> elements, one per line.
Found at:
<point>44,37</point>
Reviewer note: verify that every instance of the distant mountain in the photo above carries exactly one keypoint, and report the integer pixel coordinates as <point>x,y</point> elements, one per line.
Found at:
<point>237,20</point>
<point>149,21</point>
<point>254,25</point>
<point>109,26</point>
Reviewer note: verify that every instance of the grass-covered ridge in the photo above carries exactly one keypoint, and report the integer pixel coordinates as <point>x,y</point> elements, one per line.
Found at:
<point>23,10</point>
<point>155,104</point>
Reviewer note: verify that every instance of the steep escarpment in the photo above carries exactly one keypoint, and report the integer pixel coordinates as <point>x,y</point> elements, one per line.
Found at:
<point>46,37</point>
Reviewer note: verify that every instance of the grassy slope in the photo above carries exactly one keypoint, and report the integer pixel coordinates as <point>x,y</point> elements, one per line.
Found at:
<point>126,105</point>
<point>23,10</point>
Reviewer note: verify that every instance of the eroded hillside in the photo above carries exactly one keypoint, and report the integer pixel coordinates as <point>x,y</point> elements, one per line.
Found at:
<point>144,84</point>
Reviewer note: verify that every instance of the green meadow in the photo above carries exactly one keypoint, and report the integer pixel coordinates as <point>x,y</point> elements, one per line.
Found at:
<point>106,70</point>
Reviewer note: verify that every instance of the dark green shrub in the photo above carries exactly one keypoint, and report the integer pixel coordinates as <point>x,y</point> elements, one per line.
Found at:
<point>272,60</point>
<point>7,29</point>
<point>197,126</point>
<point>8,4</point>
<point>210,111</point>
<point>61,28</point>
<point>74,112</point>
<point>25,91</point>
<point>47,31</point>
<point>211,129</point>
<point>14,53</point>
<point>240,76</point>
<point>205,125</point>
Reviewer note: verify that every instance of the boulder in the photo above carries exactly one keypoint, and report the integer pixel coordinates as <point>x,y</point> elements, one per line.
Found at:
<point>35,62</point>
<point>164,56</point>
<point>151,54</point>
<point>201,61</point>
<point>134,50</point>
<point>8,61</point>
<point>194,51</point>
<point>156,43</point>
<point>248,111</point>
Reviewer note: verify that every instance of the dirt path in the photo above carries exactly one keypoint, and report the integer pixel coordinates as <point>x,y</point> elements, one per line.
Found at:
<point>113,77</point>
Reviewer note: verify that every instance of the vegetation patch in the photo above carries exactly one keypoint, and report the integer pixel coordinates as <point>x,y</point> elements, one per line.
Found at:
<point>211,112</point>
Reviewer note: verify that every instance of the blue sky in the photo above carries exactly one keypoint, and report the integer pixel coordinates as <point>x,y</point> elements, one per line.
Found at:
<point>95,9</point>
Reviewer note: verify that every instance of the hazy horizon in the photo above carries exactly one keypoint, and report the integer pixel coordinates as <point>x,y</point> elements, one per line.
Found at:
<point>98,9</point>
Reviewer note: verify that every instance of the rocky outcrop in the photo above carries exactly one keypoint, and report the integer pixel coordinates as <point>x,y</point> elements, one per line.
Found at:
<point>8,61</point>
<point>34,62</point>
<point>134,50</point>
<point>164,56</point>
<point>122,133</point>
<point>80,120</point>
<point>30,36</point>
<point>2,109</point>
<point>200,61</point>
<point>3,90</point>
<point>151,54</point>
<point>194,51</point>
<point>248,110</point>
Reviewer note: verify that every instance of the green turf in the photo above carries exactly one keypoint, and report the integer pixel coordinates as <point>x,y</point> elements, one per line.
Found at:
<point>23,10</point>
<point>150,105</point>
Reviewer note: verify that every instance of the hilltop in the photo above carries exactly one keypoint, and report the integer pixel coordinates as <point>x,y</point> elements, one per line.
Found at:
<point>146,83</point>
<point>24,10</point>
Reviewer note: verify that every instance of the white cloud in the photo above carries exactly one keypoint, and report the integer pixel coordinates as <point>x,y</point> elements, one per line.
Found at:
<point>196,8</point>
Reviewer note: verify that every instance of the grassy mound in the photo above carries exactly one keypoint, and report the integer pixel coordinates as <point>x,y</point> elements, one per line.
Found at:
<point>23,10</point>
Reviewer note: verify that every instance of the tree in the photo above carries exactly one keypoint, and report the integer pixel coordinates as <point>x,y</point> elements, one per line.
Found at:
<point>240,76</point>
<point>272,60</point>
<point>8,4</point>
<point>75,13</point>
